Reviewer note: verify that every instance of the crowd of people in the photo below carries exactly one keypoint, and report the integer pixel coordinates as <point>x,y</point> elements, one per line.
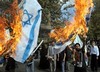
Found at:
<point>80,58</point>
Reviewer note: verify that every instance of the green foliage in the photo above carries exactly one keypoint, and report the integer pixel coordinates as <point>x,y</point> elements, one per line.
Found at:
<point>94,26</point>
<point>51,12</point>
<point>4,4</point>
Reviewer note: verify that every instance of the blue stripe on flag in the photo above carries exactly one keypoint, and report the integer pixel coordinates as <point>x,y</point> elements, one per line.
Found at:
<point>31,38</point>
<point>59,44</point>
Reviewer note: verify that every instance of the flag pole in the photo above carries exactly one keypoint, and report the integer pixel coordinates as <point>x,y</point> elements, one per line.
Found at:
<point>37,47</point>
<point>32,54</point>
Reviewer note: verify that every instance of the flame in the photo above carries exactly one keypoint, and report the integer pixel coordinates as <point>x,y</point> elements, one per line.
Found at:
<point>78,26</point>
<point>14,22</point>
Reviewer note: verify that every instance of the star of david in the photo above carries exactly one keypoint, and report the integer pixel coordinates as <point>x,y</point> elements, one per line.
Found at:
<point>27,22</point>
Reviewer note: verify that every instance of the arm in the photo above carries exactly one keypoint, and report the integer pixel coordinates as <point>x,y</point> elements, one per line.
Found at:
<point>64,56</point>
<point>57,57</point>
<point>69,47</point>
<point>85,55</point>
<point>47,53</point>
<point>31,57</point>
<point>97,50</point>
<point>73,56</point>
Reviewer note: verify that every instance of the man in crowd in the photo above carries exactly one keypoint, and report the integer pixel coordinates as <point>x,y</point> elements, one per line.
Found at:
<point>79,58</point>
<point>30,63</point>
<point>94,56</point>
<point>51,57</point>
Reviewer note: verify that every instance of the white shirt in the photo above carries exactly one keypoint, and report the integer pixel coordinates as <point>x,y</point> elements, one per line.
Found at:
<point>94,50</point>
<point>50,51</point>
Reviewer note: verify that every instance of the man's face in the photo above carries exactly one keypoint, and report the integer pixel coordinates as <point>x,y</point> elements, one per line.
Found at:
<point>53,43</point>
<point>77,46</point>
<point>93,43</point>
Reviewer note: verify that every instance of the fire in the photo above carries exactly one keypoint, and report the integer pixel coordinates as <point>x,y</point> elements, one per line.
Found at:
<point>0,47</point>
<point>14,25</point>
<point>78,26</point>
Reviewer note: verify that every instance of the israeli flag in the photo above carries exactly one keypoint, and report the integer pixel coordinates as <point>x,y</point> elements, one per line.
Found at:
<point>58,48</point>
<point>78,40</point>
<point>30,29</point>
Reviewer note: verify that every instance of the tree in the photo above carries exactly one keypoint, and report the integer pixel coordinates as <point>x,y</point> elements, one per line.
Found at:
<point>51,12</point>
<point>94,26</point>
<point>5,3</point>
<point>50,17</point>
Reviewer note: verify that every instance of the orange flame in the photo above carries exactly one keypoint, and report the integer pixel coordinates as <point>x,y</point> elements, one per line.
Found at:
<point>78,26</point>
<point>14,22</point>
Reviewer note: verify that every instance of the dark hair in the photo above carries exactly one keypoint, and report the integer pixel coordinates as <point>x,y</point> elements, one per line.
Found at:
<point>77,44</point>
<point>92,41</point>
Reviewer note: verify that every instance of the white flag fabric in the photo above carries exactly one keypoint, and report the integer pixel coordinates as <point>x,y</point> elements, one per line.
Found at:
<point>30,29</point>
<point>78,40</point>
<point>59,48</point>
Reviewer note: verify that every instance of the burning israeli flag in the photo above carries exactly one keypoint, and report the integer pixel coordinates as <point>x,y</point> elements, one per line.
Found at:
<point>31,20</point>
